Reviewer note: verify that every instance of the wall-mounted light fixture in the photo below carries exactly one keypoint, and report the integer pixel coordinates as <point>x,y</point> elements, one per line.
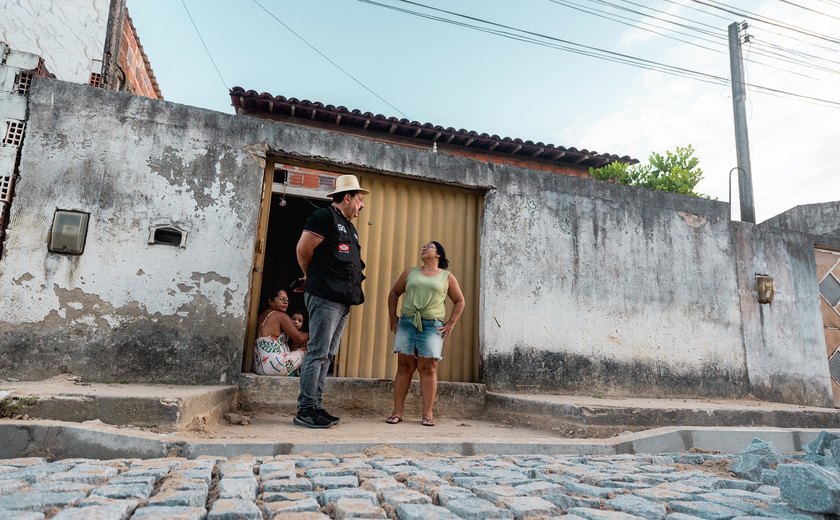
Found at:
<point>69,231</point>
<point>765,288</point>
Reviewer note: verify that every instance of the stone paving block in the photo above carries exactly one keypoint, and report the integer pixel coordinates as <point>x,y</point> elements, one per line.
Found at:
<point>424,482</point>
<point>407,469</point>
<point>7,487</point>
<point>238,488</point>
<point>37,501</point>
<point>60,487</point>
<point>702,509</point>
<point>294,495</point>
<point>110,512</point>
<point>425,512</point>
<point>367,474</point>
<point>564,501</point>
<point>747,506</point>
<point>682,516</point>
<point>477,509</point>
<point>623,486</point>
<point>378,485</point>
<point>772,491</point>
<point>524,507</point>
<point>276,465</point>
<point>494,492</point>
<point>6,514</point>
<point>156,473</point>
<point>202,475</point>
<point>590,491</point>
<point>184,484</point>
<point>330,472</point>
<point>756,495</point>
<point>169,513</point>
<point>316,462</point>
<point>306,515</point>
<point>335,482</point>
<point>234,509</point>
<point>810,487</point>
<point>38,472</point>
<point>472,481</point>
<point>93,500</point>
<point>331,495</point>
<point>749,466</point>
<point>23,462</point>
<point>599,514</point>
<point>133,479</point>
<point>85,476</point>
<point>278,474</point>
<point>178,497</point>
<point>769,477</point>
<point>638,506</point>
<point>288,484</point>
<point>782,510</point>
<point>292,506</point>
<point>382,463</point>
<point>443,494</point>
<point>356,508</point>
<point>395,497</point>
<point>731,483</point>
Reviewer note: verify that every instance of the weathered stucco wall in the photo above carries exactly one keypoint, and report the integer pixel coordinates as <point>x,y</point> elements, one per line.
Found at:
<point>585,286</point>
<point>608,290</point>
<point>67,34</point>
<point>784,341</point>
<point>126,310</point>
<point>816,219</point>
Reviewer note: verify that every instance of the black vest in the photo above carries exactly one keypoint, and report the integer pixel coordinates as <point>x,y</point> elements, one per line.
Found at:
<point>335,272</point>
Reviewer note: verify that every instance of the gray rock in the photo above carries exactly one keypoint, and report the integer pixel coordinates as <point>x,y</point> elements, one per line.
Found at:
<point>138,490</point>
<point>178,497</point>
<point>336,482</point>
<point>425,512</point>
<point>638,506</point>
<point>599,514</point>
<point>37,501</point>
<point>238,488</point>
<point>564,501</point>
<point>702,509</point>
<point>103,512</point>
<point>769,477</point>
<point>169,513</point>
<point>477,509</point>
<point>6,514</point>
<point>524,507</point>
<point>331,495</point>
<point>749,466</point>
<point>443,494</point>
<point>357,508</point>
<point>395,497</point>
<point>288,485</point>
<point>273,509</point>
<point>820,444</point>
<point>810,487</point>
<point>766,450</point>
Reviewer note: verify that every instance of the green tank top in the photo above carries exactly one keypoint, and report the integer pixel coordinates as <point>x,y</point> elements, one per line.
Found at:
<point>425,296</point>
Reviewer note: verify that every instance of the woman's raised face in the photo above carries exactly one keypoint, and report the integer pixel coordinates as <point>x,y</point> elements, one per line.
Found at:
<point>280,302</point>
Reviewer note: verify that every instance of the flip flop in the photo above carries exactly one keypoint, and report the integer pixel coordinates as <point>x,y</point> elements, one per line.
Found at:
<point>394,419</point>
<point>427,421</point>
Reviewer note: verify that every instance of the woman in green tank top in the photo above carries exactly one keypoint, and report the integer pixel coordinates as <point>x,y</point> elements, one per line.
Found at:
<point>420,328</point>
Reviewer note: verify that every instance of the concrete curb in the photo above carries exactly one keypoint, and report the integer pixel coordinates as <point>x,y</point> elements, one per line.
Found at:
<point>56,440</point>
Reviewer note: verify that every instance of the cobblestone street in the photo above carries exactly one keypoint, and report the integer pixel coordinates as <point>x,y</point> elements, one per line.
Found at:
<point>388,483</point>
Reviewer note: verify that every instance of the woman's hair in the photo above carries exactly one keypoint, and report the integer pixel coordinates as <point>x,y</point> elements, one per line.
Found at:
<point>443,262</point>
<point>270,294</point>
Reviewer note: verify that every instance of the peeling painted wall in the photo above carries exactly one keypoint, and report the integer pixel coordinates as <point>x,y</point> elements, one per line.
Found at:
<point>126,310</point>
<point>784,342</point>
<point>68,34</point>
<point>608,290</point>
<point>816,219</point>
<point>585,286</point>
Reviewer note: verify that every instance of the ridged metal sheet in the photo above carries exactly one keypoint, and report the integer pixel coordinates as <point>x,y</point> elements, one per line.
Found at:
<point>399,217</point>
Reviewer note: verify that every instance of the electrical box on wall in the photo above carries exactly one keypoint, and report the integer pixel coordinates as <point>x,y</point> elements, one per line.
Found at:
<point>69,231</point>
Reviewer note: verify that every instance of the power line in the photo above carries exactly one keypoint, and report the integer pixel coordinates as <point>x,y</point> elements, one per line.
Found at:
<point>586,50</point>
<point>336,65</point>
<point>225,83</point>
<point>821,13</point>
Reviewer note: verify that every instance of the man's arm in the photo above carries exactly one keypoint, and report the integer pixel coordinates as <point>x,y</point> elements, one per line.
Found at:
<point>306,248</point>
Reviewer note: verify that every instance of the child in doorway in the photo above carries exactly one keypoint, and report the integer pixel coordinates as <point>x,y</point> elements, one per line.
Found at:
<point>297,319</point>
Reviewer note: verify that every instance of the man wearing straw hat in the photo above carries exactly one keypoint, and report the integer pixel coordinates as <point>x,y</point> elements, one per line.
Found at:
<point>330,256</point>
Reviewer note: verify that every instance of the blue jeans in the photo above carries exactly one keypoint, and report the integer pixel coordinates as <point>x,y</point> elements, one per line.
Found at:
<point>326,324</point>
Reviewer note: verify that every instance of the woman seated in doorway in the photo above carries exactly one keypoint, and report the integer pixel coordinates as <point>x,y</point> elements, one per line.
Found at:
<point>280,344</point>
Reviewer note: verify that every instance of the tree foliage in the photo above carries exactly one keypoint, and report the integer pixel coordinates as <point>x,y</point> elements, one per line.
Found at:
<point>675,172</point>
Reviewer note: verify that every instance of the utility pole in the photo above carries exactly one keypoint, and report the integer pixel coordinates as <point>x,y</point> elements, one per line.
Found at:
<point>742,140</point>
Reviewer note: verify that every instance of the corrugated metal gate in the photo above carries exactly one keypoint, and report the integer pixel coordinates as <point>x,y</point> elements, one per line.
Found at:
<point>401,215</point>
<point>828,274</point>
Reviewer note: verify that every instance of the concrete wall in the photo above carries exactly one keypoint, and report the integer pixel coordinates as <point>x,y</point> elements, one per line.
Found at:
<point>608,290</point>
<point>126,310</point>
<point>784,341</point>
<point>585,286</point>
<point>816,219</point>
<point>68,34</point>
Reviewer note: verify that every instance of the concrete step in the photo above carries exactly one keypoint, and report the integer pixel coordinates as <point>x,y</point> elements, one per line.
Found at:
<point>562,415</point>
<point>66,398</point>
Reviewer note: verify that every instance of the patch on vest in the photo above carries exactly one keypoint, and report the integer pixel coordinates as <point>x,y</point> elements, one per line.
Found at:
<point>344,247</point>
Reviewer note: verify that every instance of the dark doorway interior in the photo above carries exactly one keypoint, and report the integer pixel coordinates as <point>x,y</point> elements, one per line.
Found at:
<point>285,224</point>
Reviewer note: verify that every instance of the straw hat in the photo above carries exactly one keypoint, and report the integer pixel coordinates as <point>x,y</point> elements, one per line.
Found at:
<point>346,183</point>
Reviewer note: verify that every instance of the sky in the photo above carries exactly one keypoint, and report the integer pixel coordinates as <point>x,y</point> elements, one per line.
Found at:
<point>360,55</point>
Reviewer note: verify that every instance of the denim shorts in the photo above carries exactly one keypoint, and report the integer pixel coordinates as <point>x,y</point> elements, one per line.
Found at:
<point>411,342</point>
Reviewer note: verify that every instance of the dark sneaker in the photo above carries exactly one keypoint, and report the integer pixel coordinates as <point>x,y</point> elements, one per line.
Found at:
<point>330,417</point>
<point>311,418</point>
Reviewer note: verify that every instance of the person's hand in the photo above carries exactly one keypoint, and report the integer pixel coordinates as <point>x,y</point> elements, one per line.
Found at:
<point>300,285</point>
<point>446,329</point>
<point>394,320</point>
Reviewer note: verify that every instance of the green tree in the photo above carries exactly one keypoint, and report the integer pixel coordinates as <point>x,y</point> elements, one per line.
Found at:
<point>675,172</point>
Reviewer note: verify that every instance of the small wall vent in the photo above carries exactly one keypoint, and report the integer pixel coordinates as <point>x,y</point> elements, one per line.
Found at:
<point>168,235</point>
